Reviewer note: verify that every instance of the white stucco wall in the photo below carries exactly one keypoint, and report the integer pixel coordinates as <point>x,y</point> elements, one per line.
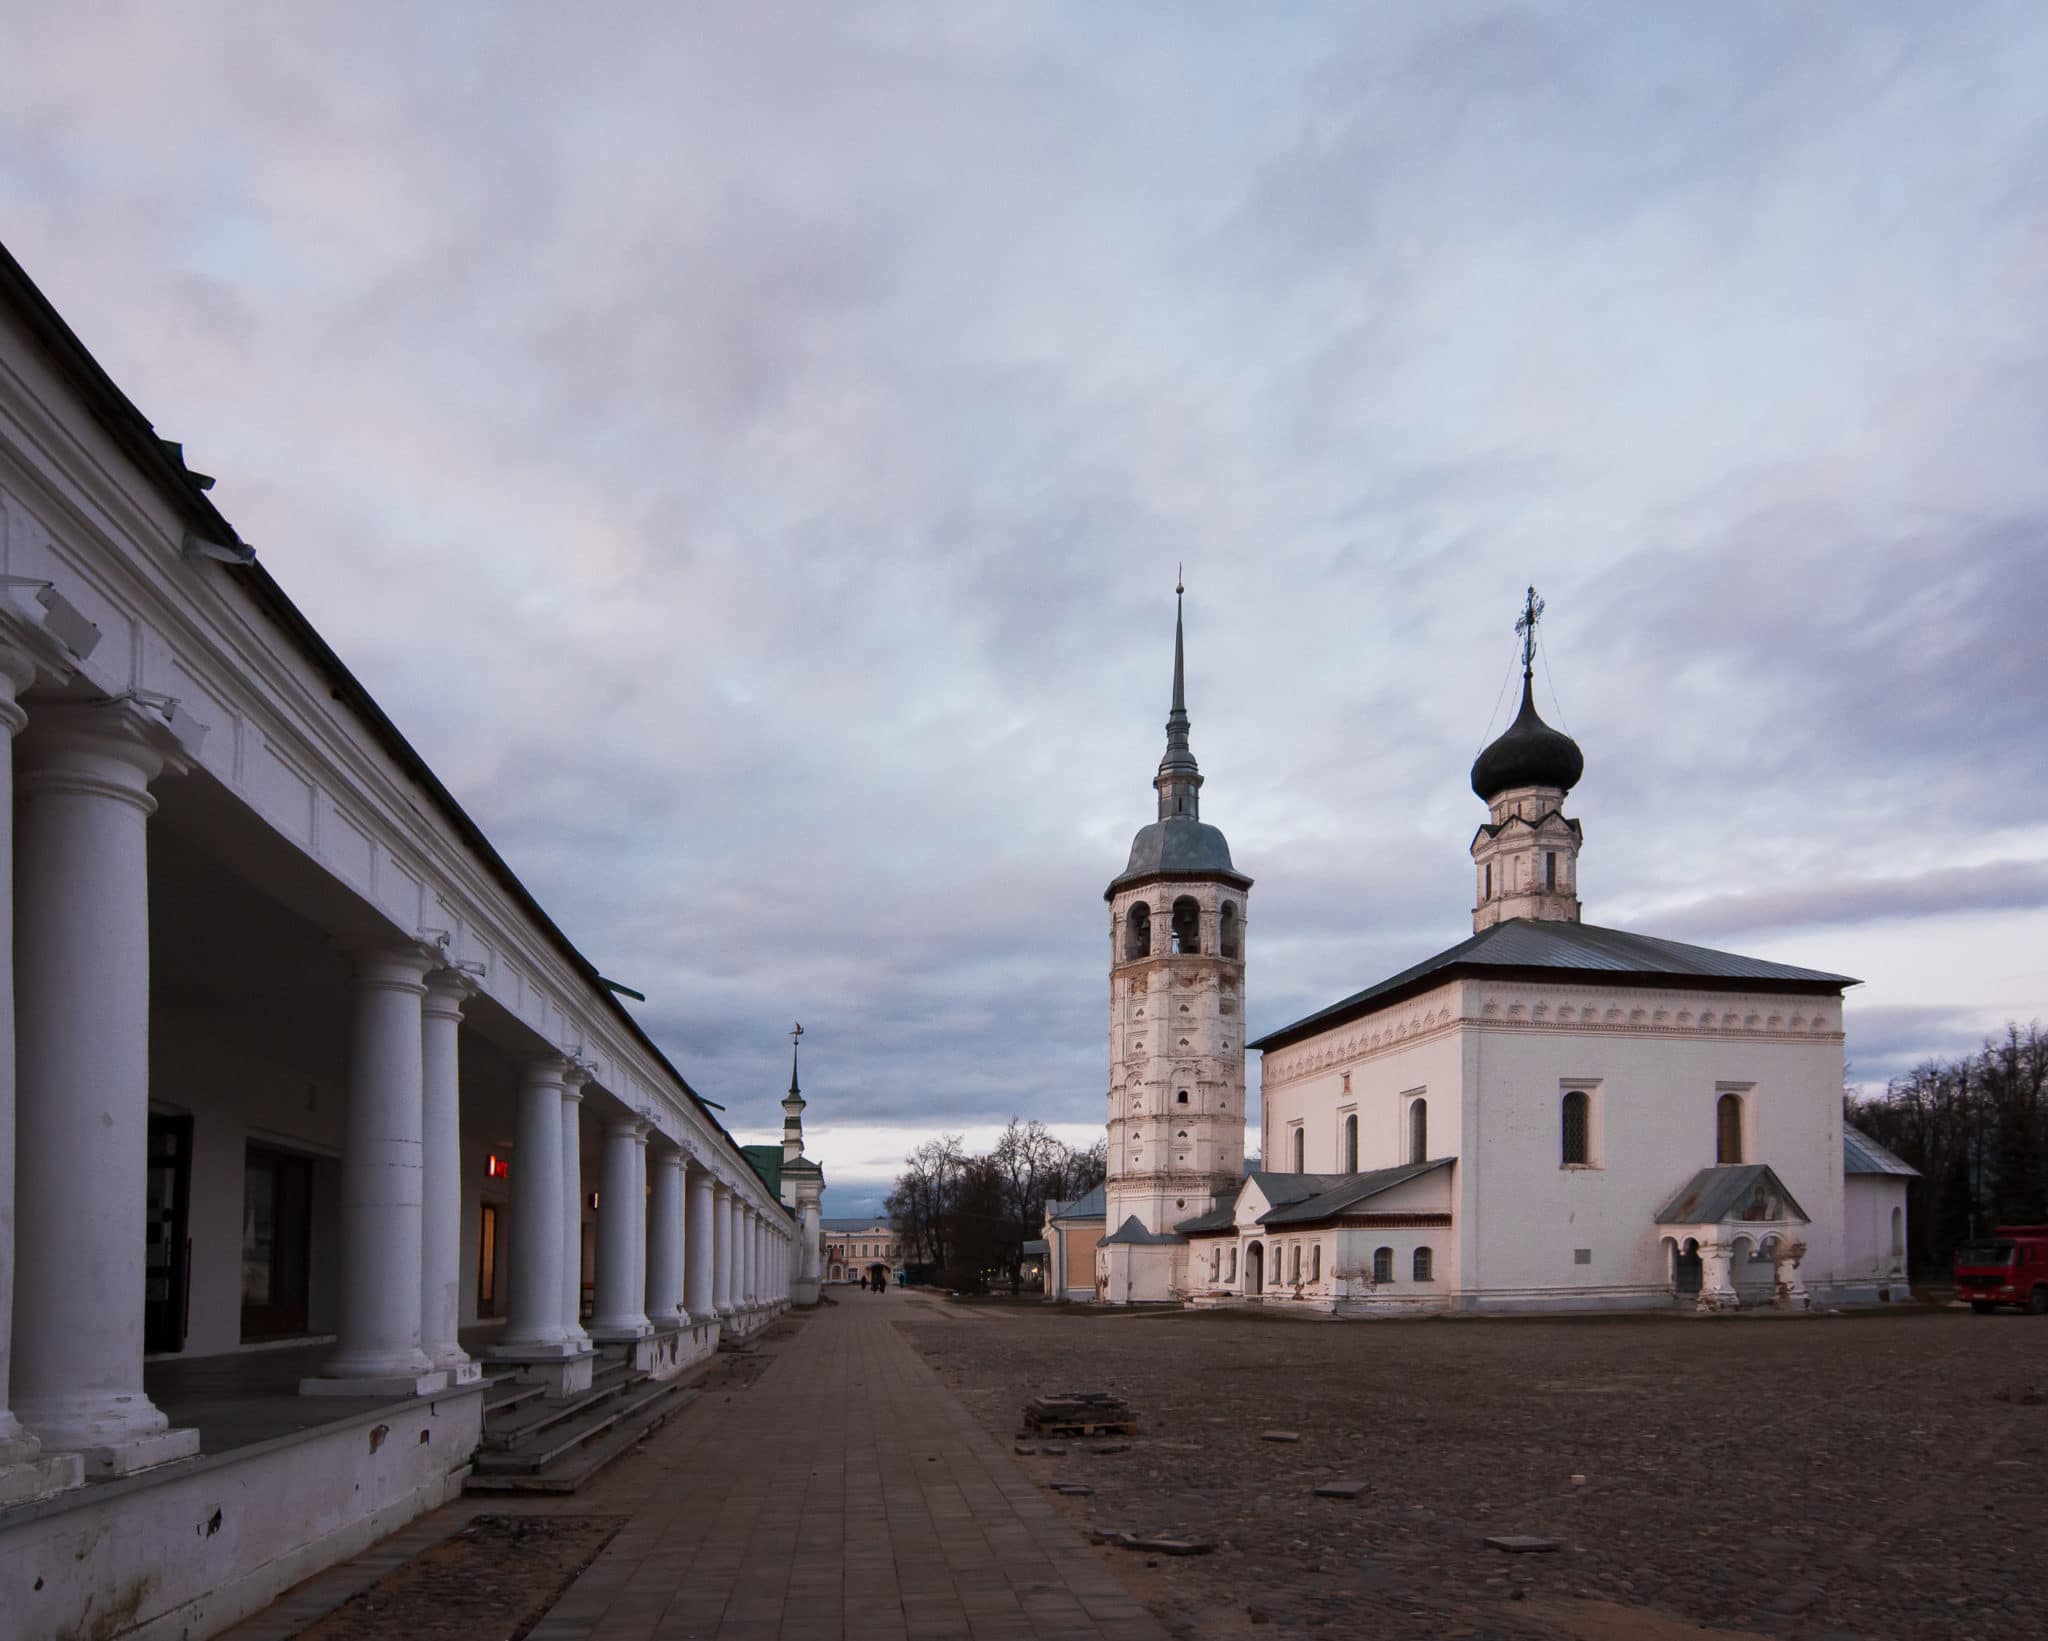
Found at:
<point>1494,1060</point>
<point>1868,1254</point>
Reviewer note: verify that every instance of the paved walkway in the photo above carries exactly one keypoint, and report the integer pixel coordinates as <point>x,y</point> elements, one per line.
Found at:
<point>846,1494</point>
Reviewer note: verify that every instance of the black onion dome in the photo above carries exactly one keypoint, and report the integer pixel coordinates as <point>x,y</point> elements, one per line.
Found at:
<point>1531,753</point>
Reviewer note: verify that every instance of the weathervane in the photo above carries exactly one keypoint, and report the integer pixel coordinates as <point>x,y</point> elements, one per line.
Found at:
<point>1525,629</point>
<point>796,1032</point>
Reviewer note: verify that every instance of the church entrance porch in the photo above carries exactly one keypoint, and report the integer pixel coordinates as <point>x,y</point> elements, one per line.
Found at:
<point>1724,1224</point>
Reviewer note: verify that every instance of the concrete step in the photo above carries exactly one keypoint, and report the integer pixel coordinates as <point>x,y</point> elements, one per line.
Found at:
<point>505,1391</point>
<point>572,1469</point>
<point>636,1410</point>
<point>521,1425</point>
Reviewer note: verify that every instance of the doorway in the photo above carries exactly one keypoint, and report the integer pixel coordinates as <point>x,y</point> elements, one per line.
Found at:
<point>1255,1269</point>
<point>487,1262</point>
<point>277,1220</point>
<point>167,1255</point>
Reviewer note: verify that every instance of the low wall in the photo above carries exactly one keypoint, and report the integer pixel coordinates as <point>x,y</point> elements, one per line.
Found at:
<point>188,1550</point>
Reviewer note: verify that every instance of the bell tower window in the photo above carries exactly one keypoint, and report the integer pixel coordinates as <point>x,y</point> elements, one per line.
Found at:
<point>1187,926</point>
<point>1226,929</point>
<point>1138,931</point>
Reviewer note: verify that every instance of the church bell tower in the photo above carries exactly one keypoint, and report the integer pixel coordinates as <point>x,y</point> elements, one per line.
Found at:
<point>1177,928</point>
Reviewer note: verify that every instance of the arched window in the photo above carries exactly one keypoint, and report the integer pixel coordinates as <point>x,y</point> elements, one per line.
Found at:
<point>1138,931</point>
<point>1351,1143</point>
<point>1226,929</point>
<point>1550,870</point>
<point>1231,1269</point>
<point>1418,1131</point>
<point>1187,925</point>
<point>1181,1098</point>
<point>1728,1129</point>
<point>1294,1275</point>
<point>1215,1263</point>
<point>1898,1232</point>
<point>1576,1143</point>
<point>1488,895</point>
<point>1300,1143</point>
<point>1425,1264</point>
<point>1383,1264</point>
<point>1315,1263</point>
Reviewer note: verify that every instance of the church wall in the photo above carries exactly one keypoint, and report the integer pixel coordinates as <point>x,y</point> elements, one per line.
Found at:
<point>1526,1217</point>
<point>1868,1259</point>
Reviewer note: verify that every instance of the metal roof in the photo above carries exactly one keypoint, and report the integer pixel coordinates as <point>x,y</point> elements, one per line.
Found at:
<point>1527,944</point>
<point>1301,1199</point>
<point>1348,1192</point>
<point>1863,1155</point>
<point>1094,1205</point>
<point>1132,1234</point>
<point>1745,1192</point>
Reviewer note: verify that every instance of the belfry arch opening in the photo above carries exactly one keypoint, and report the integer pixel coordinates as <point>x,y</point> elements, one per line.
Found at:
<point>1138,931</point>
<point>1187,925</point>
<point>1226,930</point>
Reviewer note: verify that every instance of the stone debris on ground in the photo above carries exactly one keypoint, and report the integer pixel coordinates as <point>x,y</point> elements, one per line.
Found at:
<point>1523,1544</point>
<point>1341,1490</point>
<point>1849,1477</point>
<point>1079,1413</point>
<point>1279,1435</point>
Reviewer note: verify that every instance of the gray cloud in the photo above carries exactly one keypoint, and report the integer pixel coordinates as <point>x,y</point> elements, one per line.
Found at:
<point>748,452</point>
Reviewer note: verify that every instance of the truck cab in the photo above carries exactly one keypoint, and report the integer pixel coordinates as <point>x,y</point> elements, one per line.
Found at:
<point>2009,1267</point>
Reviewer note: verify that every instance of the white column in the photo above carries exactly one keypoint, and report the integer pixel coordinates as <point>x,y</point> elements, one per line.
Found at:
<point>533,1285</point>
<point>571,1119</point>
<point>721,1220</point>
<point>618,1314</point>
<point>748,1244</point>
<point>640,1212</point>
<point>699,1246</point>
<point>81,985</point>
<point>377,1344</point>
<point>25,1470</point>
<point>441,1176</point>
<point>665,1256</point>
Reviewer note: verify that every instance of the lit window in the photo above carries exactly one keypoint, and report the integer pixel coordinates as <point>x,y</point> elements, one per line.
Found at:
<point>1728,1129</point>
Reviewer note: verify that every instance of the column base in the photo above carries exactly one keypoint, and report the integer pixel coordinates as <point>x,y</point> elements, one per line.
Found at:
<point>39,1477</point>
<point>133,1453</point>
<point>621,1333</point>
<point>533,1350</point>
<point>559,1375</point>
<point>393,1385</point>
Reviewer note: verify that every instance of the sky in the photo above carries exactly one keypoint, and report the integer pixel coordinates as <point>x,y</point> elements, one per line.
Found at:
<point>749,450</point>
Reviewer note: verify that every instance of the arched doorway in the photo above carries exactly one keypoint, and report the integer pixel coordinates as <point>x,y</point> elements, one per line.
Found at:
<point>1255,1269</point>
<point>1687,1269</point>
<point>878,1275</point>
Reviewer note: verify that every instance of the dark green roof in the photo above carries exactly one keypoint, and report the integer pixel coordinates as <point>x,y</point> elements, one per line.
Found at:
<point>767,1161</point>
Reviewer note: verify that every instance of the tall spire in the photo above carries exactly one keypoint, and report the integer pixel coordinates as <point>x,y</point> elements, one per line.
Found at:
<point>793,1106</point>
<point>1179,779</point>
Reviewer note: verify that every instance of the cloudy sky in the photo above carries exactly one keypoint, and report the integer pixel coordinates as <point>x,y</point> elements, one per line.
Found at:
<point>748,449</point>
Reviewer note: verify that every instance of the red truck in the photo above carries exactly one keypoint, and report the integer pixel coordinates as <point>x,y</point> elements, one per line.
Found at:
<point>2009,1267</point>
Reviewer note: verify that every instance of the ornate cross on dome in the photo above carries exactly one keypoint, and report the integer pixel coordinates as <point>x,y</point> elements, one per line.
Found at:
<point>1525,629</point>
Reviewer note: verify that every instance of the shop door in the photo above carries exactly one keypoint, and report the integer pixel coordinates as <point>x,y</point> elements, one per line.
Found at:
<point>167,1255</point>
<point>277,1218</point>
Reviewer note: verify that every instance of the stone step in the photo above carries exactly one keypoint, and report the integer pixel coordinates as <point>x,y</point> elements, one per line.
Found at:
<point>544,1445</point>
<point>505,1391</point>
<point>535,1418</point>
<point>571,1469</point>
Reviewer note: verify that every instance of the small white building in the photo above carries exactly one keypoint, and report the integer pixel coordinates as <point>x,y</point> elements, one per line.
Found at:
<point>1547,1115</point>
<point>315,1131</point>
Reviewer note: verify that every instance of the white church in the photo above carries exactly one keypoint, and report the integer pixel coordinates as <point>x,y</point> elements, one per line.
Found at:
<point>1547,1115</point>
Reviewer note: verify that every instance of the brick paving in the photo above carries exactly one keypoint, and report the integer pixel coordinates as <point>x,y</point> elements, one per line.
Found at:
<point>846,1494</point>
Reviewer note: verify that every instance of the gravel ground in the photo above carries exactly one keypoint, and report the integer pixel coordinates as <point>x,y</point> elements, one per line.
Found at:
<point>1827,1476</point>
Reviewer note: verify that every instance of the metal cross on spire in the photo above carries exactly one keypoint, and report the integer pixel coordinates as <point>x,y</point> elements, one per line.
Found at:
<point>1525,629</point>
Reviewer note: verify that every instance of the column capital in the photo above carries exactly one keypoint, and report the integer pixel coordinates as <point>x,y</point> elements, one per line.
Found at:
<point>545,1068</point>
<point>397,965</point>
<point>109,749</point>
<point>626,1128</point>
<point>447,991</point>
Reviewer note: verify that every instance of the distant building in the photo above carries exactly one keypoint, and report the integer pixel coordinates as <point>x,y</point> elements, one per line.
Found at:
<point>799,1184</point>
<point>1547,1115</point>
<point>855,1248</point>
